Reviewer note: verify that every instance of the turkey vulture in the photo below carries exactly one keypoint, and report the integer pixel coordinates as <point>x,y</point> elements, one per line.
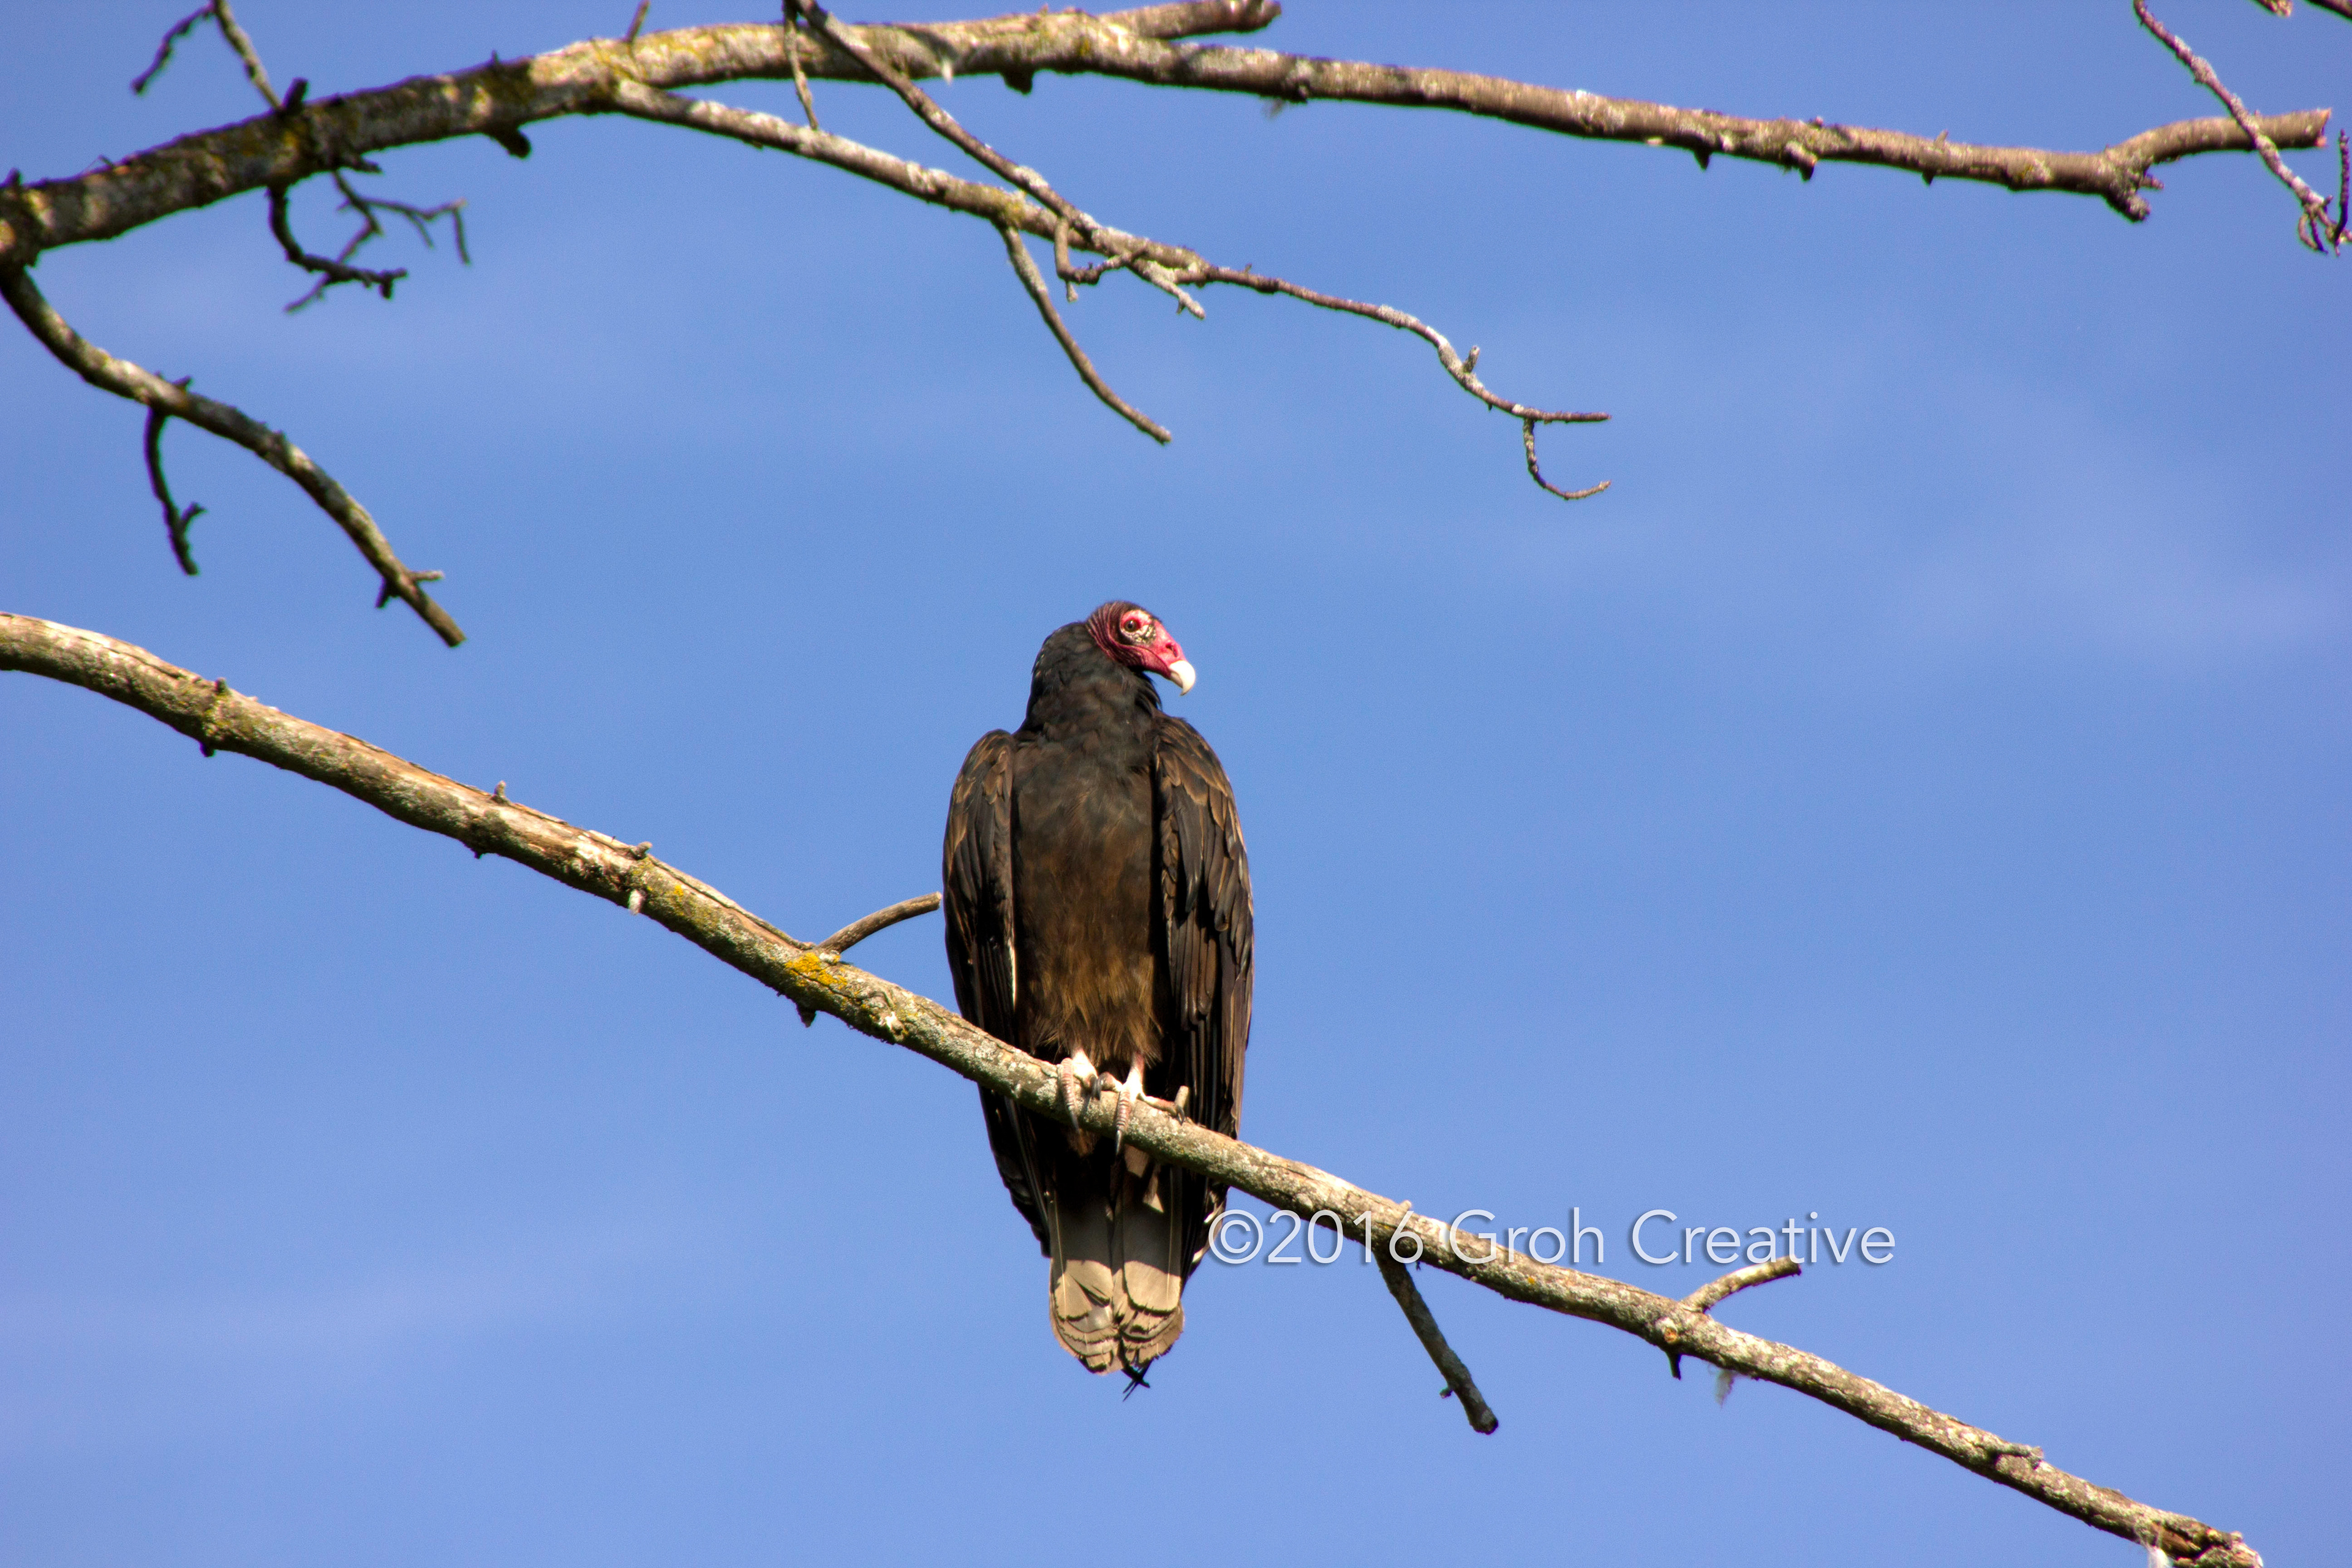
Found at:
<point>1097,902</point>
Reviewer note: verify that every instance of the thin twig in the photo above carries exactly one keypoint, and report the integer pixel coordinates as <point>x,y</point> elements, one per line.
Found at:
<point>180,29</point>
<point>1706,1296</point>
<point>337,268</point>
<point>1527,439</point>
<point>1034,281</point>
<point>1018,175</point>
<point>1457,1377</point>
<point>2315,228</point>
<point>175,522</point>
<point>243,45</point>
<point>857,931</point>
<point>637,21</point>
<point>609,869</point>
<point>419,218</point>
<point>1009,209</point>
<point>124,379</point>
<point>946,124</point>
<point>794,39</point>
<point>331,270</point>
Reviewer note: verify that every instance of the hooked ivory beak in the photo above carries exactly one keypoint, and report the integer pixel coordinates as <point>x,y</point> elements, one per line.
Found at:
<point>1180,672</point>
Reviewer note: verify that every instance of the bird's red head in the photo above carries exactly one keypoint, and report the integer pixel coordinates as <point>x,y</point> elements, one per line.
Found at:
<point>1134,636</point>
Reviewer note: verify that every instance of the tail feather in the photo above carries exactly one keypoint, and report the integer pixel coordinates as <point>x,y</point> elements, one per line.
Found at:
<point>1117,1289</point>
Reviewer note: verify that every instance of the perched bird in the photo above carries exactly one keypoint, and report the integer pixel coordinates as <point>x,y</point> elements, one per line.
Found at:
<point>1098,901</point>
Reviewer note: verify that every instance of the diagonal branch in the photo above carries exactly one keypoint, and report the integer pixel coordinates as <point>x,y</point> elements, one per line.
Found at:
<point>1011,209</point>
<point>929,111</point>
<point>1034,281</point>
<point>220,719</point>
<point>1458,1382</point>
<point>2314,228</point>
<point>178,30</point>
<point>247,56</point>
<point>124,379</point>
<point>1136,259</point>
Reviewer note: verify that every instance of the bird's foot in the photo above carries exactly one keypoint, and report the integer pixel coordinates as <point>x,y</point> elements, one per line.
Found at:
<point>1128,1093</point>
<point>1075,1069</point>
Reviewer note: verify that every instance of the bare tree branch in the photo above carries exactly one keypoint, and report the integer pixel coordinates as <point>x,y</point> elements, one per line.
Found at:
<point>247,56</point>
<point>1458,1382</point>
<point>1527,439</point>
<point>580,79</point>
<point>1034,281</point>
<point>178,30</point>
<point>857,931</point>
<point>2316,228</point>
<point>881,920</point>
<point>221,719</point>
<point>332,271</point>
<point>298,139</point>
<point>175,522</point>
<point>2116,174</point>
<point>1012,209</point>
<point>1706,1296</point>
<point>800,74</point>
<point>124,379</point>
<point>419,218</point>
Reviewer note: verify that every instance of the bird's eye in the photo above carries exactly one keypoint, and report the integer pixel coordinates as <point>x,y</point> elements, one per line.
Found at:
<point>1136,628</point>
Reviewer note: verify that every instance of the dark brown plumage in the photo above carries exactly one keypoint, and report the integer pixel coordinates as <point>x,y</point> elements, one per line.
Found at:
<point>1097,902</point>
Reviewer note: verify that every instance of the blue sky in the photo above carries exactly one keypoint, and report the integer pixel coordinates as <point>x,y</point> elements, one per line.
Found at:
<point>1914,794</point>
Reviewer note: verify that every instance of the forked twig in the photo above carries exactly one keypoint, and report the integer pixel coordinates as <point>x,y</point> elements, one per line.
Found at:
<point>331,270</point>
<point>1020,176</point>
<point>1178,266</point>
<point>337,268</point>
<point>175,521</point>
<point>419,218</point>
<point>141,385</point>
<point>2314,228</point>
<point>1032,280</point>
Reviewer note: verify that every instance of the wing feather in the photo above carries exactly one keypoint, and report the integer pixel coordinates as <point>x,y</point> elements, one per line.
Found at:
<point>976,888</point>
<point>1207,928</point>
